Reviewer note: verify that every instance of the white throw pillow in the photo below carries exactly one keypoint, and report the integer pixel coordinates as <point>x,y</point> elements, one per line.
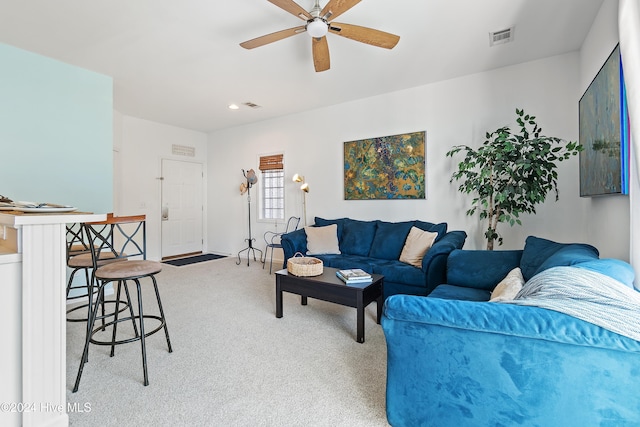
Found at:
<point>509,287</point>
<point>416,245</point>
<point>322,240</point>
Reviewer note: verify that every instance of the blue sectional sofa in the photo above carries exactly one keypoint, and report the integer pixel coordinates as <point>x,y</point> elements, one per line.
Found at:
<point>375,246</point>
<point>454,359</point>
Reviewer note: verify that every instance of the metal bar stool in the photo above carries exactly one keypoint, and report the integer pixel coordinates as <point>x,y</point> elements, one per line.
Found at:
<point>77,245</point>
<point>122,237</point>
<point>79,258</point>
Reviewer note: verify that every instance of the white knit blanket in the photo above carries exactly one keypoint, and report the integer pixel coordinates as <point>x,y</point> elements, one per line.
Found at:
<point>586,294</point>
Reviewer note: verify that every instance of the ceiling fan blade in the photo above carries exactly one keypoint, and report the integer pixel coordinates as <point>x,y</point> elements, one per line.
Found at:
<point>293,8</point>
<point>365,35</point>
<point>337,7</point>
<point>273,37</point>
<point>320,54</point>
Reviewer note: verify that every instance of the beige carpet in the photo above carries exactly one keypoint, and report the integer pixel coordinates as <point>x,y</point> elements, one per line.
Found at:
<point>233,362</point>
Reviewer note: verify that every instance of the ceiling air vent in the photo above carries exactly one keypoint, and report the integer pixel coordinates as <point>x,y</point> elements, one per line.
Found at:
<point>251,105</point>
<point>501,37</point>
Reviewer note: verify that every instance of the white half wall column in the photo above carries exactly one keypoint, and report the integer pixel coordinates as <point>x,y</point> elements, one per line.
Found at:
<point>41,241</point>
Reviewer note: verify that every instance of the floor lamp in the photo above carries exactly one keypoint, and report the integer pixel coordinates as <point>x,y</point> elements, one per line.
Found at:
<point>251,180</point>
<point>305,189</point>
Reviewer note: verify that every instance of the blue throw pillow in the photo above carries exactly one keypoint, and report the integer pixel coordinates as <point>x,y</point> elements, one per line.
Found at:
<point>441,228</point>
<point>568,255</point>
<point>537,251</point>
<point>389,239</point>
<point>615,268</point>
<point>357,237</point>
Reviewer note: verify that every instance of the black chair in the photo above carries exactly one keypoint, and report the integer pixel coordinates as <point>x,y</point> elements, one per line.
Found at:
<point>123,239</point>
<point>272,239</point>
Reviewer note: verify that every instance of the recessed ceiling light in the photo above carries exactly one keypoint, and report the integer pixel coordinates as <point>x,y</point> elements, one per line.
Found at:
<point>233,107</point>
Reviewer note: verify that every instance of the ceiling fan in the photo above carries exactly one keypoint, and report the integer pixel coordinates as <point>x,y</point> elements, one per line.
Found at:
<point>318,24</point>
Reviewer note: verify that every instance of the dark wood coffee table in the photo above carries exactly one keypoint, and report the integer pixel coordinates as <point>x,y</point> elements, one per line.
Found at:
<point>328,287</point>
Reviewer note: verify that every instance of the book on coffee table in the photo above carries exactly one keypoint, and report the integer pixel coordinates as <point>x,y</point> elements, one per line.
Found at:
<point>354,275</point>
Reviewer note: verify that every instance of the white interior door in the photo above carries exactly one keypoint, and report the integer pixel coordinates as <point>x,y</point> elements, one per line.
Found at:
<point>182,207</point>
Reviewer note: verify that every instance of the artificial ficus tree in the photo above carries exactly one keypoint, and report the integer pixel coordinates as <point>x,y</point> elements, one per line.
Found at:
<point>511,172</point>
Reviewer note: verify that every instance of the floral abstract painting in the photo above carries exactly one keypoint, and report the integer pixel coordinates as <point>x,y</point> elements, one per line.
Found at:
<point>389,167</point>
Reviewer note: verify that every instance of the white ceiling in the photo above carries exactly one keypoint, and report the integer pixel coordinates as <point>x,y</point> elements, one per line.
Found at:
<point>179,61</point>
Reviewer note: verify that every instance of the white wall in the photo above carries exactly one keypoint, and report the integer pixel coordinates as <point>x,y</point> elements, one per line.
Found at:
<point>608,217</point>
<point>452,112</point>
<point>457,111</point>
<point>143,145</point>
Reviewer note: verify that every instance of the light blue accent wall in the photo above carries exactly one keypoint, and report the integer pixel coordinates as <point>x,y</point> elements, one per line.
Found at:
<point>56,132</point>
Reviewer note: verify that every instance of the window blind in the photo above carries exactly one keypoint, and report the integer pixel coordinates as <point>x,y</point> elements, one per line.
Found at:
<point>272,162</point>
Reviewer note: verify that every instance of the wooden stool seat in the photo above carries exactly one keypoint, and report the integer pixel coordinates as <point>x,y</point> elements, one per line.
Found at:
<point>128,270</point>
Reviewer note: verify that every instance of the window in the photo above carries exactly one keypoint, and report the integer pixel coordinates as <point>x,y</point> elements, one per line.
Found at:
<point>272,196</point>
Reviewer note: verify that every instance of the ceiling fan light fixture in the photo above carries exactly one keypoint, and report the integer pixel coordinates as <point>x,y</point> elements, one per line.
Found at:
<point>317,28</point>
